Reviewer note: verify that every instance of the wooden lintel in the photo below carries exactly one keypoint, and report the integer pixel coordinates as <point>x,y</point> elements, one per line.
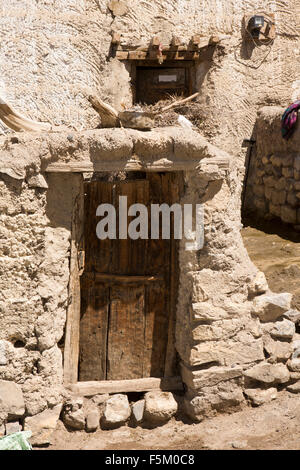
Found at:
<point>122,55</point>
<point>88,389</point>
<point>137,55</point>
<point>131,165</point>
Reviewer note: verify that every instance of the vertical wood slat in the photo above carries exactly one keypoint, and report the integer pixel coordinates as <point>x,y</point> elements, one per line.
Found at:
<point>125,343</point>
<point>71,349</point>
<point>176,191</point>
<point>93,332</point>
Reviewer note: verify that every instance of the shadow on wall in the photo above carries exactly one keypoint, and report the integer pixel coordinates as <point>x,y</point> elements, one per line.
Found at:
<point>60,193</point>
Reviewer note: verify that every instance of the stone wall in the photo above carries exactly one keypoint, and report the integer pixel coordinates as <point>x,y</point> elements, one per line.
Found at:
<point>273,185</point>
<point>236,340</point>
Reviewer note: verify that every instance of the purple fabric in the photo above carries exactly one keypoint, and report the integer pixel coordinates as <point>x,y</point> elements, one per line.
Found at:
<point>289,120</point>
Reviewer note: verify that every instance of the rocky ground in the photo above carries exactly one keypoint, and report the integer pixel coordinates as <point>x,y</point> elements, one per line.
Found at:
<point>275,425</point>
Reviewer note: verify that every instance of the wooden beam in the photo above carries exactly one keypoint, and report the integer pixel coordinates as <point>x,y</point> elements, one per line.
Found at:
<point>88,389</point>
<point>122,278</point>
<point>196,39</point>
<point>116,38</point>
<point>137,55</point>
<point>176,41</point>
<point>131,165</point>
<point>122,55</point>
<point>155,41</point>
<point>213,40</point>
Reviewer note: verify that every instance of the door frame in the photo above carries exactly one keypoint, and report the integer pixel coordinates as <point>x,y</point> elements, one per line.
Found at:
<point>72,332</point>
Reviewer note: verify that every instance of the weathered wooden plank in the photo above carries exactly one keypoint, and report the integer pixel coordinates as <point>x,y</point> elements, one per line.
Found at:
<point>88,389</point>
<point>137,55</point>
<point>155,41</point>
<point>122,55</point>
<point>71,349</point>
<point>176,41</point>
<point>155,166</point>
<point>127,279</point>
<point>176,185</point>
<point>93,333</point>
<point>125,344</point>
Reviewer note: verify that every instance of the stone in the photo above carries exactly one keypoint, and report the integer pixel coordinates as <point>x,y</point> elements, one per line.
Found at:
<point>288,172</point>
<point>159,407</point>
<point>92,420</point>
<point>269,307</point>
<point>239,444</point>
<point>117,411</point>
<point>293,315</point>
<point>217,330</point>
<point>294,364</point>
<point>205,311</point>
<point>276,160</point>
<point>118,7</point>
<point>100,399</point>
<point>2,430</point>
<point>278,197</point>
<point>12,427</point>
<point>197,379</point>
<point>75,419</point>
<point>43,425</point>
<point>37,181</point>
<point>280,350</point>
<point>268,192</point>
<point>295,375</point>
<point>284,329</point>
<point>268,373</point>
<point>292,199</point>
<point>297,163</point>
<point>3,353</point>
<point>11,399</point>
<point>270,181</point>
<point>275,210</point>
<point>288,214</point>
<point>294,388</point>
<point>259,190</point>
<point>259,397</point>
<point>74,404</point>
<point>242,349</point>
<point>258,285</point>
<point>138,411</point>
<point>197,408</point>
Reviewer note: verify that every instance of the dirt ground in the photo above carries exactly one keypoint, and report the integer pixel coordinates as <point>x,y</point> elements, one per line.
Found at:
<point>275,249</point>
<point>275,425</point>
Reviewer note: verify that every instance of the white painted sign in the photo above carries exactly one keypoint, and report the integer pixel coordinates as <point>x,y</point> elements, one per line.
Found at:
<point>167,78</point>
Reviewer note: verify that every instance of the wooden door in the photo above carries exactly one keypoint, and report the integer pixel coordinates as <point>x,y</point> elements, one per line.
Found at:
<point>128,288</point>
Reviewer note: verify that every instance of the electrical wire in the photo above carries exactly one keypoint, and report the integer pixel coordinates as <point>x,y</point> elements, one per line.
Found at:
<point>256,42</point>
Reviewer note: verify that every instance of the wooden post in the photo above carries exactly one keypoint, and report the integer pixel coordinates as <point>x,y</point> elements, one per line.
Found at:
<point>176,41</point>
<point>71,350</point>
<point>116,38</point>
